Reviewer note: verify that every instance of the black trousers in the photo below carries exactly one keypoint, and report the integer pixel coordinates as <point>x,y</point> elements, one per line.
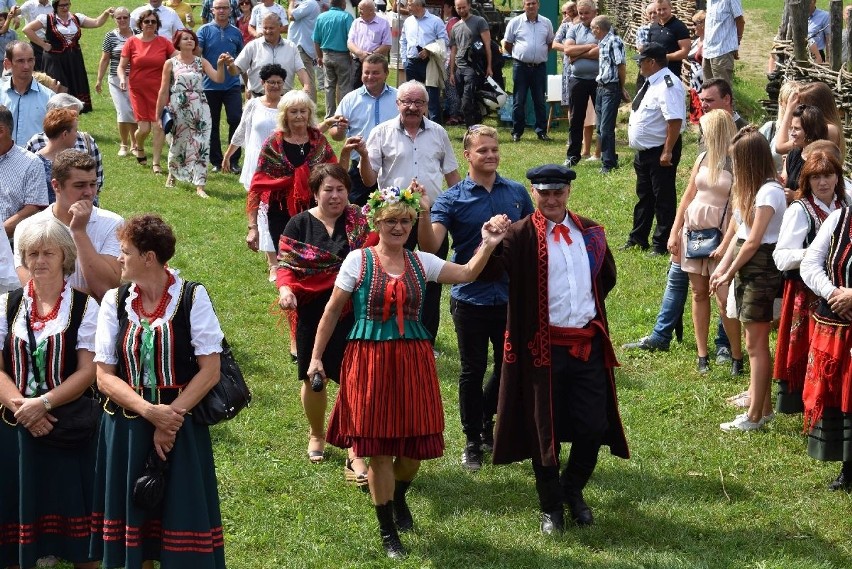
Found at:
<point>359,192</point>
<point>476,327</point>
<point>432,297</point>
<point>468,82</point>
<point>232,100</point>
<point>655,188</point>
<point>583,91</point>
<point>579,403</point>
<point>357,68</point>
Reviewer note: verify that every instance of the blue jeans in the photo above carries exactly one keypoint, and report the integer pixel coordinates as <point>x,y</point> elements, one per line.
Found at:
<point>607,99</point>
<point>232,100</point>
<point>532,78</point>
<point>671,310</point>
<point>416,69</point>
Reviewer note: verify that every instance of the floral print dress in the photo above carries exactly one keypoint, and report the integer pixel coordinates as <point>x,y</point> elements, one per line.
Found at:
<point>190,148</point>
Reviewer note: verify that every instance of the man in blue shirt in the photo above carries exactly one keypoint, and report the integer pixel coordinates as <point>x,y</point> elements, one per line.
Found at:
<point>303,15</point>
<point>478,308</point>
<point>419,30</point>
<point>360,111</point>
<point>330,34</point>
<point>25,98</point>
<point>818,27</point>
<point>214,39</point>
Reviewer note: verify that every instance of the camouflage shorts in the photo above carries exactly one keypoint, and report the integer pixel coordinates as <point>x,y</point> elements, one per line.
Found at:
<point>758,282</point>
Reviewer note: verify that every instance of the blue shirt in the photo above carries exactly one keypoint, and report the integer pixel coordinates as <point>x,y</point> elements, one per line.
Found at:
<point>302,26</point>
<point>611,56</point>
<point>27,110</point>
<point>530,40</point>
<point>818,27</point>
<point>462,209</point>
<point>207,12</point>
<point>214,41</point>
<point>332,30</point>
<point>364,112</point>
<point>422,32</point>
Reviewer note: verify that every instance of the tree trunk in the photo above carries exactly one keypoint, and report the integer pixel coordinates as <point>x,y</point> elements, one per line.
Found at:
<point>836,47</point>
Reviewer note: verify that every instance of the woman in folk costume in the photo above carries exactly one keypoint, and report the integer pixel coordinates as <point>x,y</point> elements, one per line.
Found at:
<point>820,193</point>
<point>389,405</point>
<point>312,248</point>
<point>557,383</point>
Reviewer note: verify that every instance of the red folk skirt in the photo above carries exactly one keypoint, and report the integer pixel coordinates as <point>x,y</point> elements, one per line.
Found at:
<point>828,393</point>
<point>794,342</point>
<point>389,402</point>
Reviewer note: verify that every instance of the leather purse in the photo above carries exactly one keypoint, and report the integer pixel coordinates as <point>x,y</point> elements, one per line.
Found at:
<point>150,488</point>
<point>701,242</point>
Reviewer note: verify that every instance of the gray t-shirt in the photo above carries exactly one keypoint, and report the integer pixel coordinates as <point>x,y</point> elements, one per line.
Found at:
<point>583,68</point>
<point>463,34</point>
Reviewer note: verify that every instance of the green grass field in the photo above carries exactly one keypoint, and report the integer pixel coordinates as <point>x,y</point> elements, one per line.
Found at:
<point>690,497</point>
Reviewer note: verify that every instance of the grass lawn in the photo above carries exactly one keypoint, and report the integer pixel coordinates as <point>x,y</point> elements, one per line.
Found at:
<point>690,497</point>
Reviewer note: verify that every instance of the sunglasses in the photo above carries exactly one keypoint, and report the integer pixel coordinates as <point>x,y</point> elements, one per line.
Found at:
<point>150,22</point>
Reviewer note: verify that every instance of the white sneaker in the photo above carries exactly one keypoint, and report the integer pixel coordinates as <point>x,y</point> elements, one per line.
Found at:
<point>767,419</point>
<point>741,423</point>
<point>592,158</point>
<point>122,150</point>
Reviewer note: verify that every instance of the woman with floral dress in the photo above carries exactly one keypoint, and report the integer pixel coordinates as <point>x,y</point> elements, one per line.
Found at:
<point>183,76</point>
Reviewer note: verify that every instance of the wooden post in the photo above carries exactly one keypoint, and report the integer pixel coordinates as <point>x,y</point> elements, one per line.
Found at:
<point>799,24</point>
<point>836,25</point>
<point>849,44</point>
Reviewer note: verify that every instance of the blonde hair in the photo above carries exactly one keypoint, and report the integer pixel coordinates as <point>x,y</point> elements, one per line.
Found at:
<point>398,209</point>
<point>718,129</point>
<point>295,98</point>
<point>753,166</point>
<point>699,16</point>
<point>787,89</point>
<point>48,233</point>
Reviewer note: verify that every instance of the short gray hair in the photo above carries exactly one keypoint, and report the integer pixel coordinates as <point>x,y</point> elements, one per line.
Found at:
<point>269,16</point>
<point>295,98</point>
<point>412,85</point>
<point>64,101</point>
<point>48,232</point>
<point>602,22</point>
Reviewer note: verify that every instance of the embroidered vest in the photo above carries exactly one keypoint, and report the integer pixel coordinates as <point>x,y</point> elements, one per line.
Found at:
<point>838,264</point>
<point>58,42</point>
<point>61,348</point>
<point>379,297</point>
<point>174,357</point>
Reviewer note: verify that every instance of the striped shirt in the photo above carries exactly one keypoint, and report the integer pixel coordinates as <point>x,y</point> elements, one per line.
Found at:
<point>611,56</point>
<point>21,182</point>
<point>84,143</point>
<point>112,44</point>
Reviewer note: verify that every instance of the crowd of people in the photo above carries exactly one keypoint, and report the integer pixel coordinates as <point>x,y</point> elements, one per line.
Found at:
<point>356,244</point>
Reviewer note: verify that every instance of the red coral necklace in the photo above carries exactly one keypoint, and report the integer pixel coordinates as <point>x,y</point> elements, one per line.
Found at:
<point>38,321</point>
<point>160,310</point>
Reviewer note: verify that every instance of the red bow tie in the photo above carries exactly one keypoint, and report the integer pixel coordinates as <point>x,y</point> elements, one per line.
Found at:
<point>561,230</point>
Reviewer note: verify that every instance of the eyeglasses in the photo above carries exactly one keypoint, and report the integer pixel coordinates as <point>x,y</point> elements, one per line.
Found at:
<point>275,83</point>
<point>404,222</point>
<point>63,5</point>
<point>418,103</point>
<point>150,22</point>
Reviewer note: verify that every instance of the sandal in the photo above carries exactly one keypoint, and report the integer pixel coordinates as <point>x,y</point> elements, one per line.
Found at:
<point>316,455</point>
<point>201,193</point>
<point>359,479</point>
<point>170,182</point>
<point>156,169</point>
<point>273,273</point>
<point>141,160</point>
<point>122,150</point>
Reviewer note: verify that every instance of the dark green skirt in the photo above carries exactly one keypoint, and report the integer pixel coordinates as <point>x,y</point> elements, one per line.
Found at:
<point>188,531</point>
<point>831,438</point>
<point>51,508</point>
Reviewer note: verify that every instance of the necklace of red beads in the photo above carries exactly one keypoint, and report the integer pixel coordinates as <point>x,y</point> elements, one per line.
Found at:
<point>37,321</point>
<point>160,310</point>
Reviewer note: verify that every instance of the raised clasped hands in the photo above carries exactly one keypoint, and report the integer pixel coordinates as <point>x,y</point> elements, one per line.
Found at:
<point>494,230</point>
<point>356,143</point>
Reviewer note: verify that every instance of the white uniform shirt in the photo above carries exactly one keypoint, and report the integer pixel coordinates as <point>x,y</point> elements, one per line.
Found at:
<point>397,158</point>
<point>101,230</point>
<point>569,278</point>
<point>665,100</point>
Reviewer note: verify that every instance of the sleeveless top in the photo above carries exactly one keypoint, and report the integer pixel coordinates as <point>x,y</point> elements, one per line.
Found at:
<point>173,361</point>
<point>387,307</point>
<point>838,264</point>
<point>60,349</point>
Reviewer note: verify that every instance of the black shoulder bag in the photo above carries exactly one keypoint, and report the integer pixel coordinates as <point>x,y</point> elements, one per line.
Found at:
<point>230,394</point>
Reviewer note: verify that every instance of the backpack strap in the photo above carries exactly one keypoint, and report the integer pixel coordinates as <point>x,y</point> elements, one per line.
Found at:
<point>13,304</point>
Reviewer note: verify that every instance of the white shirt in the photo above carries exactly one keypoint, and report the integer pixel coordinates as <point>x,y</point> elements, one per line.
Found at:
<point>397,158</point>
<point>812,268</point>
<point>85,333</point>
<point>101,229</point>
<point>770,195</point>
<point>206,334</point>
<point>259,12</point>
<point>170,22</point>
<point>789,251</point>
<point>569,278</point>
<point>530,40</point>
<point>8,276</point>
<point>350,269</point>
<point>259,52</point>
<point>31,9</point>
<point>720,28</point>
<point>664,101</point>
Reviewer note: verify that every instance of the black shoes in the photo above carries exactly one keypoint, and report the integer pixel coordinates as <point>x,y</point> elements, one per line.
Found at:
<point>736,367</point>
<point>552,522</point>
<point>543,136</point>
<point>631,245</point>
<point>401,513</point>
<point>581,514</point>
<point>516,137</point>
<point>703,364</point>
<point>472,457</point>
<point>488,436</point>
<point>387,529</point>
<point>647,344</point>
<point>843,480</point>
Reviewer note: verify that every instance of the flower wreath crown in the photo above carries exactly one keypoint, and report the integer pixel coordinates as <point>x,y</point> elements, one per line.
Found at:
<point>389,196</point>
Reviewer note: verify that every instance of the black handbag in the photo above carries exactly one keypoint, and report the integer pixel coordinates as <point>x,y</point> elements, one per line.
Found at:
<point>230,395</point>
<point>701,242</point>
<point>150,488</point>
<point>76,421</point>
